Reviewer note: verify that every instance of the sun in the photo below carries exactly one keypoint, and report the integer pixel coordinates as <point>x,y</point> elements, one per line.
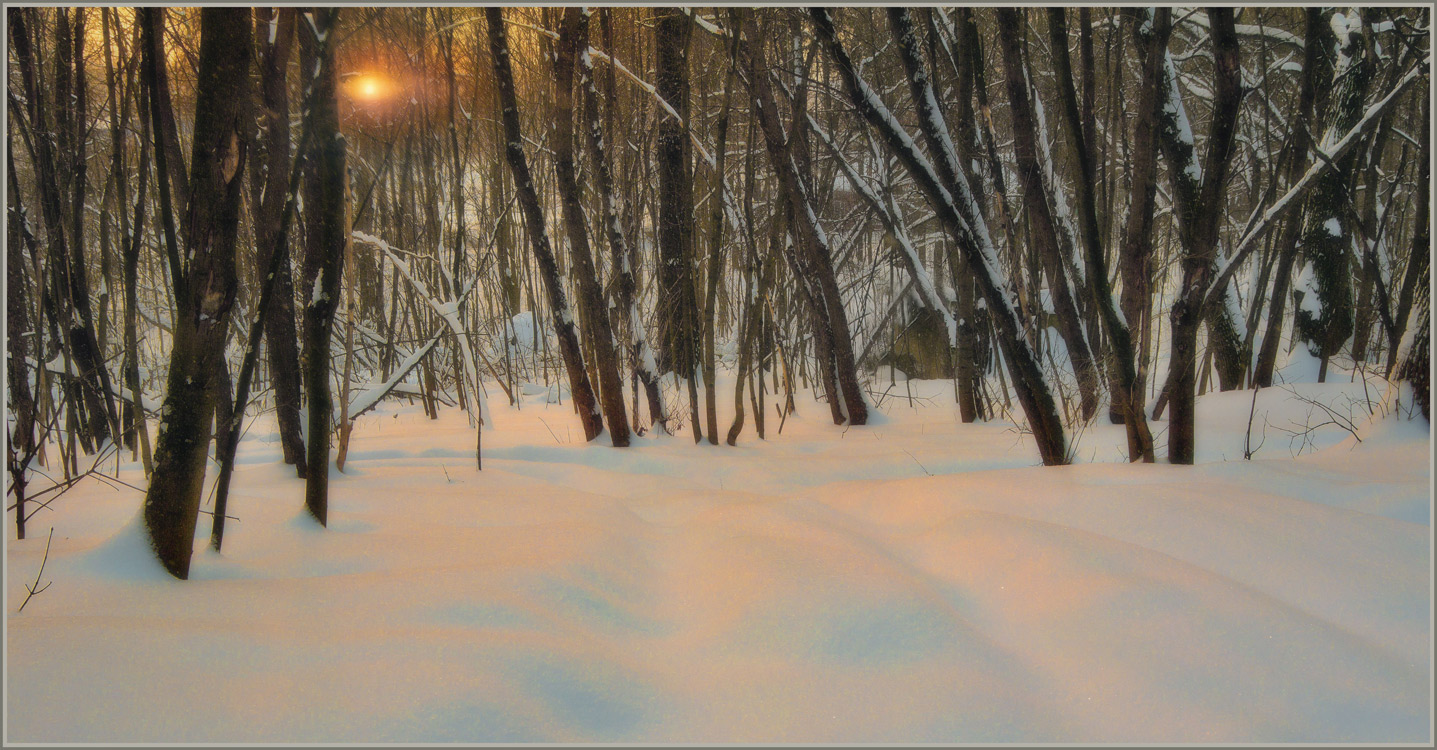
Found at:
<point>368,87</point>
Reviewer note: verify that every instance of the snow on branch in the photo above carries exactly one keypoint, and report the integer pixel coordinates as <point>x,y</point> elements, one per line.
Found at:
<point>1325,159</point>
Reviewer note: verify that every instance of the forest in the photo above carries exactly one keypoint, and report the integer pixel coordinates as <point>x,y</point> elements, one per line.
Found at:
<point>689,224</point>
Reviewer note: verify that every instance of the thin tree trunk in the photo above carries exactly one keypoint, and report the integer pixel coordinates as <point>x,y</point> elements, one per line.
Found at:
<point>279,331</point>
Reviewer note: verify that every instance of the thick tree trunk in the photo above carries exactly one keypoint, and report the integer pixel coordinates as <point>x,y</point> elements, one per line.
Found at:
<point>220,149</point>
<point>678,314</point>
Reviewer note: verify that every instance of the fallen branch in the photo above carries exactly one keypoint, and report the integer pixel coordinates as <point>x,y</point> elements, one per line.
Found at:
<point>35,587</point>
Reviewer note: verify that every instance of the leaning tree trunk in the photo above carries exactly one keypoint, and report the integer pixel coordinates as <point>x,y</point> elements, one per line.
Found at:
<point>951,198</point>
<point>579,386</point>
<point>220,148</point>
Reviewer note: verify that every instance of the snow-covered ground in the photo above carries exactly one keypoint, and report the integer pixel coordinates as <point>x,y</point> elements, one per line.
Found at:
<point>917,580</point>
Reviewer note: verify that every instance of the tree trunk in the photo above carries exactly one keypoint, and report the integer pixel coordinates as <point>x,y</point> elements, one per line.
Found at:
<point>1036,199</point>
<point>1198,206</point>
<point>1324,320</point>
<point>326,207</point>
<point>220,149</point>
<point>574,40</point>
<point>563,319</point>
<point>810,255</point>
<point>279,331</point>
<point>1127,390</point>
<point>1287,239</point>
<point>952,200</point>
<point>676,302</point>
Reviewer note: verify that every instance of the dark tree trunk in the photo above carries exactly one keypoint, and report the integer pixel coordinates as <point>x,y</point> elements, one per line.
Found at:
<point>18,333</point>
<point>220,149</point>
<point>715,263</point>
<point>1127,388</point>
<point>678,312</point>
<point>1198,206</point>
<point>1287,240</point>
<point>279,330</point>
<point>582,392</point>
<point>1417,365</point>
<point>573,39</point>
<point>1419,260</point>
<point>1327,229</point>
<point>626,314</point>
<point>326,207</point>
<point>1036,198</point>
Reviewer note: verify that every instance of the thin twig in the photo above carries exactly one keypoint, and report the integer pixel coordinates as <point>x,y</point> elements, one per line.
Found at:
<point>35,587</point>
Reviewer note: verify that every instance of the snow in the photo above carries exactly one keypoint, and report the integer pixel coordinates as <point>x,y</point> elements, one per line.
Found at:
<point>915,581</point>
<point>1343,27</point>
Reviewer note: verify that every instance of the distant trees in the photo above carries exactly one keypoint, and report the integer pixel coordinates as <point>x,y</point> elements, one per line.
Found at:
<point>791,198</point>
